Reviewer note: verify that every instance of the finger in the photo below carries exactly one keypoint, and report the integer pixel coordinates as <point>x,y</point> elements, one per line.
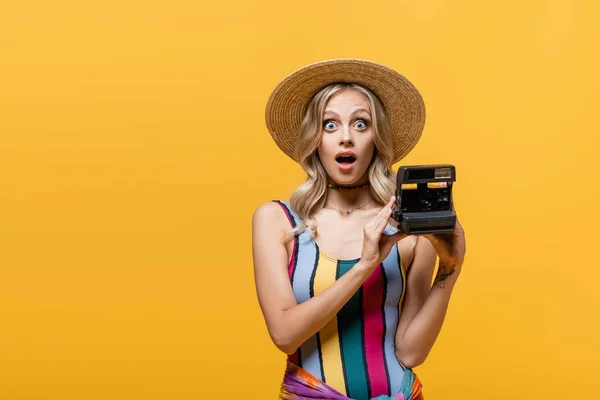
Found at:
<point>383,214</point>
<point>385,219</point>
<point>378,226</point>
<point>458,225</point>
<point>388,206</point>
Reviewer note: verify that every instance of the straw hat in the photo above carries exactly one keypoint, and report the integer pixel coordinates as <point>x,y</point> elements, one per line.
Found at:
<point>403,104</point>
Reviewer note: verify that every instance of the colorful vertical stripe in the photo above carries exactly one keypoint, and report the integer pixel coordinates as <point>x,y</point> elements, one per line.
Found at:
<point>354,353</point>
<point>393,293</point>
<point>375,330</point>
<point>295,358</point>
<point>310,357</point>
<point>333,373</point>
<point>352,344</point>
<point>294,259</point>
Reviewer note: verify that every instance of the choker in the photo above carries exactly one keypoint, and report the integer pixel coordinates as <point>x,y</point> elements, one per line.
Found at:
<point>336,187</point>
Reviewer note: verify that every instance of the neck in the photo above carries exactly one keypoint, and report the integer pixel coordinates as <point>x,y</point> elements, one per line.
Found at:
<point>348,197</point>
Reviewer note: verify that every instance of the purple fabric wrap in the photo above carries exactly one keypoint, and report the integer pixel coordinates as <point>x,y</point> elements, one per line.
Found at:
<point>298,384</point>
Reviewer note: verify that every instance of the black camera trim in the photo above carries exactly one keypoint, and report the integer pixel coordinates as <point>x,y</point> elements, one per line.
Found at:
<point>424,215</point>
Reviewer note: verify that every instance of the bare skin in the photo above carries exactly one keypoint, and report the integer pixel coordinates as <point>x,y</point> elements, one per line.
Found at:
<point>347,127</point>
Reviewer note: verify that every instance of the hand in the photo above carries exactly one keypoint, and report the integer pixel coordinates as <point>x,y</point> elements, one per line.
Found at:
<point>376,245</point>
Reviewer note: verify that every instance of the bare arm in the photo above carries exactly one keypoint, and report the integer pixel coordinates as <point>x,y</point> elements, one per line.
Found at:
<point>424,307</point>
<point>420,325</point>
<point>290,324</point>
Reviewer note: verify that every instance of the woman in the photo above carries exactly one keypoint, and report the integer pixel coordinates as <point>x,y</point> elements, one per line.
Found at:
<point>344,294</point>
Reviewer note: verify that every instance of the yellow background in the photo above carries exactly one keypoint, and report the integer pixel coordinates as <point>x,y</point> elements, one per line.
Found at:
<point>133,153</point>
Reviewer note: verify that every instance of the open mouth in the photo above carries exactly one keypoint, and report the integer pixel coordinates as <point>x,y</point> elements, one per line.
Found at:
<point>345,159</point>
<point>345,162</point>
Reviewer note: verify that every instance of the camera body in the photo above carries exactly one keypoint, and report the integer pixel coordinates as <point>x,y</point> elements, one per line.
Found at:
<point>424,199</point>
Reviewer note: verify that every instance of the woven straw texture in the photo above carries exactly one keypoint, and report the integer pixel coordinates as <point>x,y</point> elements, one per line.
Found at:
<point>404,105</point>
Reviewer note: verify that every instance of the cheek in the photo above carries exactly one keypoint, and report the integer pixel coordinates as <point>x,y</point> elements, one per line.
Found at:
<point>325,145</point>
<point>367,145</point>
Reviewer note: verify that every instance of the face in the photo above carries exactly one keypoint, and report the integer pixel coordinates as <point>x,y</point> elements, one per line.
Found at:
<point>347,146</point>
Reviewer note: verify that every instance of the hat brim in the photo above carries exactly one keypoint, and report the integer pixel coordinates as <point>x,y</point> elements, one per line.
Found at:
<point>404,106</point>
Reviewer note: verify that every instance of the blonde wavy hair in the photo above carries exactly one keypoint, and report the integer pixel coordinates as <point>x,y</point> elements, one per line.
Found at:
<point>311,196</point>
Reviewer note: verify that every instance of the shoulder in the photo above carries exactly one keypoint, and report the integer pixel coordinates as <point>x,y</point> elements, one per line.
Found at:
<point>415,249</point>
<point>268,213</point>
<point>269,209</point>
<point>270,226</point>
<point>406,248</point>
<point>424,248</point>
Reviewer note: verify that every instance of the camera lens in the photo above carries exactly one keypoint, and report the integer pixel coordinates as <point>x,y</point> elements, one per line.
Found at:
<point>443,201</point>
<point>425,200</point>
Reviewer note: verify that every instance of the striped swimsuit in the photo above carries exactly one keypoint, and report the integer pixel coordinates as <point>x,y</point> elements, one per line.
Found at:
<point>353,353</point>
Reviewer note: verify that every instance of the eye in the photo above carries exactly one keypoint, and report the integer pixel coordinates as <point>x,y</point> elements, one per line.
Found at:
<point>361,124</point>
<point>329,125</point>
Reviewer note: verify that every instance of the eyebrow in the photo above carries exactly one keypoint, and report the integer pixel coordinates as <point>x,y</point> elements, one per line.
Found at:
<point>351,115</point>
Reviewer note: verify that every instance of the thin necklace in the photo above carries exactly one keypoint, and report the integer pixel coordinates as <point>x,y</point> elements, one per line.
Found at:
<point>347,212</point>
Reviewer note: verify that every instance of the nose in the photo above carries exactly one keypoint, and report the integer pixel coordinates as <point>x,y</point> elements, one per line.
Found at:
<point>346,138</point>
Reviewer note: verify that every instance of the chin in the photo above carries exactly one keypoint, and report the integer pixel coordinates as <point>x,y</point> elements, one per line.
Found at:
<point>347,179</point>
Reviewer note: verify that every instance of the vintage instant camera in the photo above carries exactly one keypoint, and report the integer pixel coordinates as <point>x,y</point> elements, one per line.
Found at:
<point>424,199</point>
